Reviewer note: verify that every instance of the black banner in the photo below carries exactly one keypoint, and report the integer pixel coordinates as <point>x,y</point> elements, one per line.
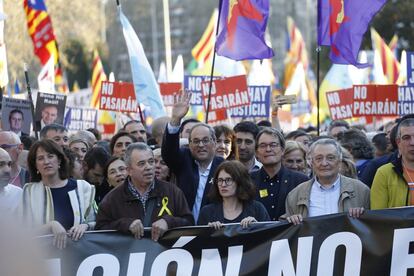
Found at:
<point>379,243</point>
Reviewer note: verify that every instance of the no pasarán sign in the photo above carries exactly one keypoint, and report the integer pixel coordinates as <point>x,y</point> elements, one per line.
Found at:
<point>226,93</point>
<point>118,96</point>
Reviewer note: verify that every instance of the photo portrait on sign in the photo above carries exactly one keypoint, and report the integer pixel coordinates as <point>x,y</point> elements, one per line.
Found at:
<point>50,108</point>
<point>16,116</point>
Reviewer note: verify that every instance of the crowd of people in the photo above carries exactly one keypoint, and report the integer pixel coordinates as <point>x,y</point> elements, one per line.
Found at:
<point>189,173</point>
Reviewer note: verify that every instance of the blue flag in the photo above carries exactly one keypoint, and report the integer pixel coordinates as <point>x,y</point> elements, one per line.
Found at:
<point>16,87</point>
<point>146,87</point>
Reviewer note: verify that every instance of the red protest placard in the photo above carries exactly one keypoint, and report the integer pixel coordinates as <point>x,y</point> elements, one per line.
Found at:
<point>217,116</point>
<point>226,93</point>
<point>168,91</point>
<point>340,104</point>
<point>375,100</point>
<point>118,96</point>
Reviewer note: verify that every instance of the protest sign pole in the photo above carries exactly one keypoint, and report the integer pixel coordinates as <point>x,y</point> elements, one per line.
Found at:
<point>212,68</point>
<point>29,93</point>
<point>318,67</point>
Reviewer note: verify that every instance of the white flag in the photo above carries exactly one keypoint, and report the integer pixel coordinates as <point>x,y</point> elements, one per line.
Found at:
<point>146,87</point>
<point>46,77</point>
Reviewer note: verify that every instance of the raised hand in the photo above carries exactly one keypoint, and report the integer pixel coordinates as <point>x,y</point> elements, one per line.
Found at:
<point>180,107</point>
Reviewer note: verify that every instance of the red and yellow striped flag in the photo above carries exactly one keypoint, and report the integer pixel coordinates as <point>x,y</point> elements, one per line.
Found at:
<point>393,43</point>
<point>390,65</point>
<point>98,75</point>
<point>40,30</point>
<point>297,52</point>
<point>204,48</point>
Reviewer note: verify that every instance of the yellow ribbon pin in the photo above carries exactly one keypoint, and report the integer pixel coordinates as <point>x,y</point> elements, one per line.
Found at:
<point>164,207</point>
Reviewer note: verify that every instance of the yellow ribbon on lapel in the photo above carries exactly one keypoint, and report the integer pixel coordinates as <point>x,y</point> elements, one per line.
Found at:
<point>164,207</point>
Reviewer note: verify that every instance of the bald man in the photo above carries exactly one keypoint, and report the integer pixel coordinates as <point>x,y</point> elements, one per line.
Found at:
<point>10,195</point>
<point>10,142</point>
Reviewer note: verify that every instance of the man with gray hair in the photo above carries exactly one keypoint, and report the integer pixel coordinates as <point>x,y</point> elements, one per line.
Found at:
<point>393,184</point>
<point>143,201</point>
<point>193,166</point>
<point>273,181</point>
<point>328,192</point>
<point>10,142</point>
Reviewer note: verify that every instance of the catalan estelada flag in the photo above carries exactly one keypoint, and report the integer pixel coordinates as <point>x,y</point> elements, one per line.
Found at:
<point>342,25</point>
<point>203,50</point>
<point>40,30</point>
<point>98,76</point>
<point>242,27</point>
<point>296,51</point>
<point>390,65</point>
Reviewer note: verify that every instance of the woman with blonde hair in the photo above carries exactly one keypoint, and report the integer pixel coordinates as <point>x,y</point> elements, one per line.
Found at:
<point>294,157</point>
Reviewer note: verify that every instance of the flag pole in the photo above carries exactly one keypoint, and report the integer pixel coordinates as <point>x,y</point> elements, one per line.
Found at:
<point>318,67</point>
<point>29,93</point>
<point>212,66</point>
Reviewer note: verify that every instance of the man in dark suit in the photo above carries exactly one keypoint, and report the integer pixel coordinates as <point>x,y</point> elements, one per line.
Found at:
<point>16,120</point>
<point>273,181</point>
<point>193,166</point>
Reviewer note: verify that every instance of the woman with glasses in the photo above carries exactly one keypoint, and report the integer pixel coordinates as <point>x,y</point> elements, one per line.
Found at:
<point>115,172</point>
<point>232,196</point>
<point>54,203</point>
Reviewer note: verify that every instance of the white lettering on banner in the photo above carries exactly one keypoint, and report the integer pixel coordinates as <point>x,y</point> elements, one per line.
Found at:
<point>107,88</point>
<point>353,257</point>
<point>229,100</point>
<point>109,263</point>
<point>136,264</point>
<point>341,112</point>
<point>375,108</point>
<point>405,93</point>
<point>206,88</point>
<point>405,108</point>
<point>89,115</point>
<point>333,98</point>
<point>401,260</point>
<point>360,92</point>
<point>183,258</point>
<point>254,109</point>
<point>211,262</point>
<point>121,104</point>
<point>280,260</point>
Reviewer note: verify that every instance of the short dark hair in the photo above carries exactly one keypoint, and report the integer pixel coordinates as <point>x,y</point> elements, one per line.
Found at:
<point>338,123</point>
<point>108,163</point>
<point>247,126</point>
<point>49,146</point>
<point>96,133</point>
<point>245,190</point>
<point>72,157</point>
<point>96,155</point>
<point>228,133</point>
<point>297,133</point>
<point>357,143</point>
<point>120,134</point>
<point>380,141</point>
<point>264,123</point>
<point>56,127</point>
<point>16,111</point>
<point>273,132</point>
<point>191,120</point>
<point>132,122</point>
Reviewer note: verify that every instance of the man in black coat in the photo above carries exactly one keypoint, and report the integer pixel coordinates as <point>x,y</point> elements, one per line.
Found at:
<point>193,166</point>
<point>273,181</point>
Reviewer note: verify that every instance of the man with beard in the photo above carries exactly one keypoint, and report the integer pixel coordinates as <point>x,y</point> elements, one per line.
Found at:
<point>246,133</point>
<point>10,195</point>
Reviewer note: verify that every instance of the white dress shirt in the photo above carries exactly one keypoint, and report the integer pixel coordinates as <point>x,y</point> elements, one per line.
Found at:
<point>324,201</point>
<point>10,197</point>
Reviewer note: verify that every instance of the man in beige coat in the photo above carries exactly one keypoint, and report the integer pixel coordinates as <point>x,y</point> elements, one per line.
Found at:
<point>328,192</point>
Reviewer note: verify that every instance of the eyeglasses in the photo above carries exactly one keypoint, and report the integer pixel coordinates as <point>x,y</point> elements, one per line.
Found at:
<point>204,141</point>
<point>264,146</point>
<point>330,159</point>
<point>8,146</point>
<point>224,181</point>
